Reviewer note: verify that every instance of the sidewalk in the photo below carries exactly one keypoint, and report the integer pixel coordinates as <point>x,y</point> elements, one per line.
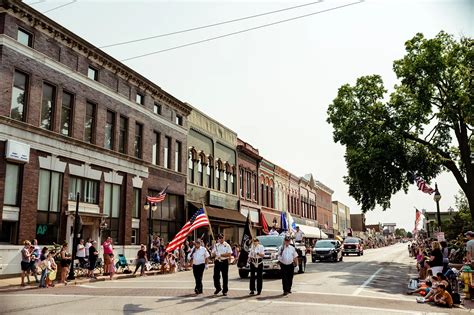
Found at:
<point>13,284</point>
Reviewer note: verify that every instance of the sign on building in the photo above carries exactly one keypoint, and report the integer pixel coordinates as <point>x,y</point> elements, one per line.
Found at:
<point>17,151</point>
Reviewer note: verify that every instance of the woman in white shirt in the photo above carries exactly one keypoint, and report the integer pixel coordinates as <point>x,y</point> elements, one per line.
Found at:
<point>257,251</point>
<point>198,258</point>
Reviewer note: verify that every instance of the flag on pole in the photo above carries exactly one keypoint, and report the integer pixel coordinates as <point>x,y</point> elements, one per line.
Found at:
<point>264,223</point>
<point>161,196</point>
<point>283,222</point>
<point>419,220</point>
<point>199,219</point>
<point>423,185</point>
<point>291,223</point>
<point>245,244</point>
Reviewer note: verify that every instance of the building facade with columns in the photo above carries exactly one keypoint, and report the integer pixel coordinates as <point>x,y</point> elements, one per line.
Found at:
<point>76,122</point>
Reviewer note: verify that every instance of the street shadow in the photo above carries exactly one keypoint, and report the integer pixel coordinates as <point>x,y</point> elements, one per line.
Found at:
<point>134,308</point>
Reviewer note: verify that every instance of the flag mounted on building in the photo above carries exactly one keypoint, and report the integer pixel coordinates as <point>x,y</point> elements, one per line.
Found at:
<point>245,244</point>
<point>264,223</point>
<point>157,199</point>
<point>423,185</point>
<point>199,219</point>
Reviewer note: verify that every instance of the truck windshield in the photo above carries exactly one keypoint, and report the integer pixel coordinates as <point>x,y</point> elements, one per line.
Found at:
<point>271,241</point>
<point>351,241</point>
<point>326,244</point>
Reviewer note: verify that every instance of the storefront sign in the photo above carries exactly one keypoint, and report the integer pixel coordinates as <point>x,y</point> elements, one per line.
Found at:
<point>41,229</point>
<point>216,199</point>
<point>17,151</point>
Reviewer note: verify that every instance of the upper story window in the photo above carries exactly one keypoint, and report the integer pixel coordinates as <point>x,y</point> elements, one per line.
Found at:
<point>66,114</point>
<point>11,192</point>
<point>88,189</point>
<point>48,106</point>
<point>157,108</point>
<point>19,96</point>
<point>25,38</point>
<point>123,134</point>
<point>109,130</point>
<point>138,140</point>
<point>179,120</point>
<point>177,156</point>
<point>140,99</point>
<point>93,73</point>
<point>167,152</point>
<point>89,124</point>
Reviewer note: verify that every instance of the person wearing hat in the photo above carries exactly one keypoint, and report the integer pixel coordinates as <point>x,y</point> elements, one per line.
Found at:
<point>288,258</point>
<point>221,252</point>
<point>93,257</point>
<point>198,258</point>
<point>469,246</point>
<point>257,251</point>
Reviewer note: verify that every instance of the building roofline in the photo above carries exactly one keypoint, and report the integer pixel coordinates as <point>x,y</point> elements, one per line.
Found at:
<point>210,118</point>
<point>75,42</point>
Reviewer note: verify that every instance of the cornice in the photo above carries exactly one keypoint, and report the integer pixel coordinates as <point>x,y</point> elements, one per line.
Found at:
<point>76,43</point>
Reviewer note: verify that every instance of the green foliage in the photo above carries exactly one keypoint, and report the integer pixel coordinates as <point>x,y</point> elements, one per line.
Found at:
<point>461,220</point>
<point>400,232</point>
<point>409,235</point>
<point>389,141</point>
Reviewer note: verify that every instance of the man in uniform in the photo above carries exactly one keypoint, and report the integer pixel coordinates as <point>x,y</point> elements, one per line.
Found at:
<point>221,253</point>
<point>288,258</point>
<point>198,258</point>
<point>257,251</point>
<point>299,235</point>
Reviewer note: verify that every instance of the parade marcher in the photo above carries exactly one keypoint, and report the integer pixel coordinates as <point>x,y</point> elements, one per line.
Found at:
<point>287,256</point>
<point>299,235</point>
<point>93,256</point>
<point>273,231</point>
<point>198,257</point>
<point>257,251</point>
<point>221,253</point>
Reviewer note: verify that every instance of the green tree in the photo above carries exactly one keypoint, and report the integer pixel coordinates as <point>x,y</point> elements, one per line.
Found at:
<point>460,221</point>
<point>400,232</point>
<point>423,128</point>
<point>409,235</point>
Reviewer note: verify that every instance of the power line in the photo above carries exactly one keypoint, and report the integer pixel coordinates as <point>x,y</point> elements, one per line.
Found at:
<point>60,6</point>
<point>210,25</point>
<point>37,2</point>
<point>241,31</point>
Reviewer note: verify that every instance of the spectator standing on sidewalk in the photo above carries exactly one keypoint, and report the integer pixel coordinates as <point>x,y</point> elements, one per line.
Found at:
<point>287,256</point>
<point>65,263</point>
<point>469,247</point>
<point>81,253</point>
<point>44,267</point>
<point>109,262</point>
<point>51,268</point>
<point>25,261</point>
<point>199,259</point>
<point>93,257</point>
<point>141,260</point>
<point>88,245</point>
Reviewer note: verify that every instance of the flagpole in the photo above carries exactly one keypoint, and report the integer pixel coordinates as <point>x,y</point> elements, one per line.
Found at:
<point>210,227</point>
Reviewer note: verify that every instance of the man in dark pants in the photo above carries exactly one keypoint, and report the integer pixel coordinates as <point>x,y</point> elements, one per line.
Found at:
<point>221,253</point>
<point>256,254</point>
<point>198,257</point>
<point>288,258</point>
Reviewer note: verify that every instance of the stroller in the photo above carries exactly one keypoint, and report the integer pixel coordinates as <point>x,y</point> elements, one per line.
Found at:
<point>452,275</point>
<point>122,264</point>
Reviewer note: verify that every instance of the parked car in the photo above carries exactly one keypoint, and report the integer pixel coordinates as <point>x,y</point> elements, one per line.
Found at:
<point>327,250</point>
<point>353,245</point>
<point>272,243</point>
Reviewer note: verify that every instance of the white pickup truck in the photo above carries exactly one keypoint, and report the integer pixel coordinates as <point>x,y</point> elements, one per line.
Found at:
<point>272,243</point>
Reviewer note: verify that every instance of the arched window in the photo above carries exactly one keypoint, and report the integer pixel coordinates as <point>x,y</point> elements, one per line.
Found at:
<point>241,182</point>
<point>200,175</point>
<point>190,167</point>
<point>226,182</point>
<point>209,171</point>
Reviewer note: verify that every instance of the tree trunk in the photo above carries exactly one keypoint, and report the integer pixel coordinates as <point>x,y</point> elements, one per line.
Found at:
<point>470,201</point>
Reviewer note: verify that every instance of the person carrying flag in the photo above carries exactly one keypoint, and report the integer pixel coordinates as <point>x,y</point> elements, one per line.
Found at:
<point>288,258</point>
<point>221,252</point>
<point>198,257</point>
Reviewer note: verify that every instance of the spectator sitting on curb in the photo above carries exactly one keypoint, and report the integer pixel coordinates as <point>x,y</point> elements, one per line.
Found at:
<point>443,298</point>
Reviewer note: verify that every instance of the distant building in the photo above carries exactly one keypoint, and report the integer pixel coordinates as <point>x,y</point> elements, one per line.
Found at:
<point>341,214</point>
<point>358,222</point>
<point>389,228</point>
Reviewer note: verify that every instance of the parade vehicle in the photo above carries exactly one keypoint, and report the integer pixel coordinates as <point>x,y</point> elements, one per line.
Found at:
<point>353,245</point>
<point>272,243</point>
<point>329,250</point>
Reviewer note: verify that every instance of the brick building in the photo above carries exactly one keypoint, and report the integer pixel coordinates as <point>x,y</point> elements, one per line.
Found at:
<point>358,222</point>
<point>212,175</point>
<point>249,164</point>
<point>267,193</point>
<point>75,120</point>
<point>324,207</point>
<point>341,218</point>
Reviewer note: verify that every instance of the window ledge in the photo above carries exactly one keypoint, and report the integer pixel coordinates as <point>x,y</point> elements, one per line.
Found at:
<point>83,207</point>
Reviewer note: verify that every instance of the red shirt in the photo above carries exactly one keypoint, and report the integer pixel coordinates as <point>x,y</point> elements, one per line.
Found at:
<point>107,248</point>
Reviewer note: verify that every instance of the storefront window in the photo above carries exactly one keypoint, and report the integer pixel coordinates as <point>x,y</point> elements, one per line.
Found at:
<point>88,188</point>
<point>12,183</point>
<point>112,209</point>
<point>168,218</point>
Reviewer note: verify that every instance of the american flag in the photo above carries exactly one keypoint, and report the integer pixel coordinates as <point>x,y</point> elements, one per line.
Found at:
<point>423,186</point>
<point>199,219</point>
<point>264,223</point>
<point>161,196</point>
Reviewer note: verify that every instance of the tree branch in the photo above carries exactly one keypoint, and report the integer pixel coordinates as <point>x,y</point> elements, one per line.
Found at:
<point>428,145</point>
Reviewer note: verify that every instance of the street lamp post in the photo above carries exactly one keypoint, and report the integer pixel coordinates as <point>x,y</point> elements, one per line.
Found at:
<point>74,238</point>
<point>437,198</point>
<point>151,209</point>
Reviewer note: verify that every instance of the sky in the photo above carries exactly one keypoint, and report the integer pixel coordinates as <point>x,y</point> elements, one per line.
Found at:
<point>273,85</point>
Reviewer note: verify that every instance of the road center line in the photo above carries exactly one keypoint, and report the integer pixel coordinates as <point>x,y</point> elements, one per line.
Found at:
<point>366,283</point>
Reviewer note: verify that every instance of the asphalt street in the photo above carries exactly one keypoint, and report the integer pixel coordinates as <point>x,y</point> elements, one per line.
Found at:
<point>371,284</point>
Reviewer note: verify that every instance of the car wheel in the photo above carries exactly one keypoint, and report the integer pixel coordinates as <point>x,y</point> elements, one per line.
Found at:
<point>243,273</point>
<point>358,254</point>
<point>362,253</point>
<point>313,259</point>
